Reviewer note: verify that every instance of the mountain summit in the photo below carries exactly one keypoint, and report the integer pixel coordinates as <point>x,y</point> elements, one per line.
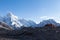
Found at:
<point>15,22</point>
<point>12,20</point>
<point>49,21</point>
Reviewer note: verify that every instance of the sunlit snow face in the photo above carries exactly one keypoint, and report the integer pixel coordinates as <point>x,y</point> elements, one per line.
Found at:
<point>57,19</point>
<point>14,19</point>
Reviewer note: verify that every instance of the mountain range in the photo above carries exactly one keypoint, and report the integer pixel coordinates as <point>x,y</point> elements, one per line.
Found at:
<point>14,28</point>
<point>14,22</point>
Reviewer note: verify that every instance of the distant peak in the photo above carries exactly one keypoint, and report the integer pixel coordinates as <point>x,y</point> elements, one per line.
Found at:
<point>10,14</point>
<point>51,20</point>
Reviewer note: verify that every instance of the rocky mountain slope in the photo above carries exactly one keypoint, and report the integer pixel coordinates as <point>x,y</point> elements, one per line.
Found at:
<point>13,28</point>
<point>15,22</point>
<point>29,33</point>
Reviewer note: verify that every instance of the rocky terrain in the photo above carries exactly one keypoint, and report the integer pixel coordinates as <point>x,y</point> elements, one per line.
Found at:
<point>48,32</point>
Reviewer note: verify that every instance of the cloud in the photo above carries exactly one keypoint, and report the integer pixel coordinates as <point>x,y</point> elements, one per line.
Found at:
<point>46,17</point>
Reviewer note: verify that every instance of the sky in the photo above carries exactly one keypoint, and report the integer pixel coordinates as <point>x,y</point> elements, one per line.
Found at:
<point>36,10</point>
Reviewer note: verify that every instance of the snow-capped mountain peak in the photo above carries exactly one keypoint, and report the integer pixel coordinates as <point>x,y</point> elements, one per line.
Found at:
<point>49,21</point>
<point>12,16</point>
<point>15,22</point>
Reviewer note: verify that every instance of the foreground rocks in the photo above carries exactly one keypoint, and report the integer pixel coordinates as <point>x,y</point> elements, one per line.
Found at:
<point>37,33</point>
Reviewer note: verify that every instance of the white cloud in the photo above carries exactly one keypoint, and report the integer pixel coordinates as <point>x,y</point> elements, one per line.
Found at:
<point>46,17</point>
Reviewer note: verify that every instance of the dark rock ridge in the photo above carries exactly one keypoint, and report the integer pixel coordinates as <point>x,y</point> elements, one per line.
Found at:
<point>5,26</point>
<point>48,32</point>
